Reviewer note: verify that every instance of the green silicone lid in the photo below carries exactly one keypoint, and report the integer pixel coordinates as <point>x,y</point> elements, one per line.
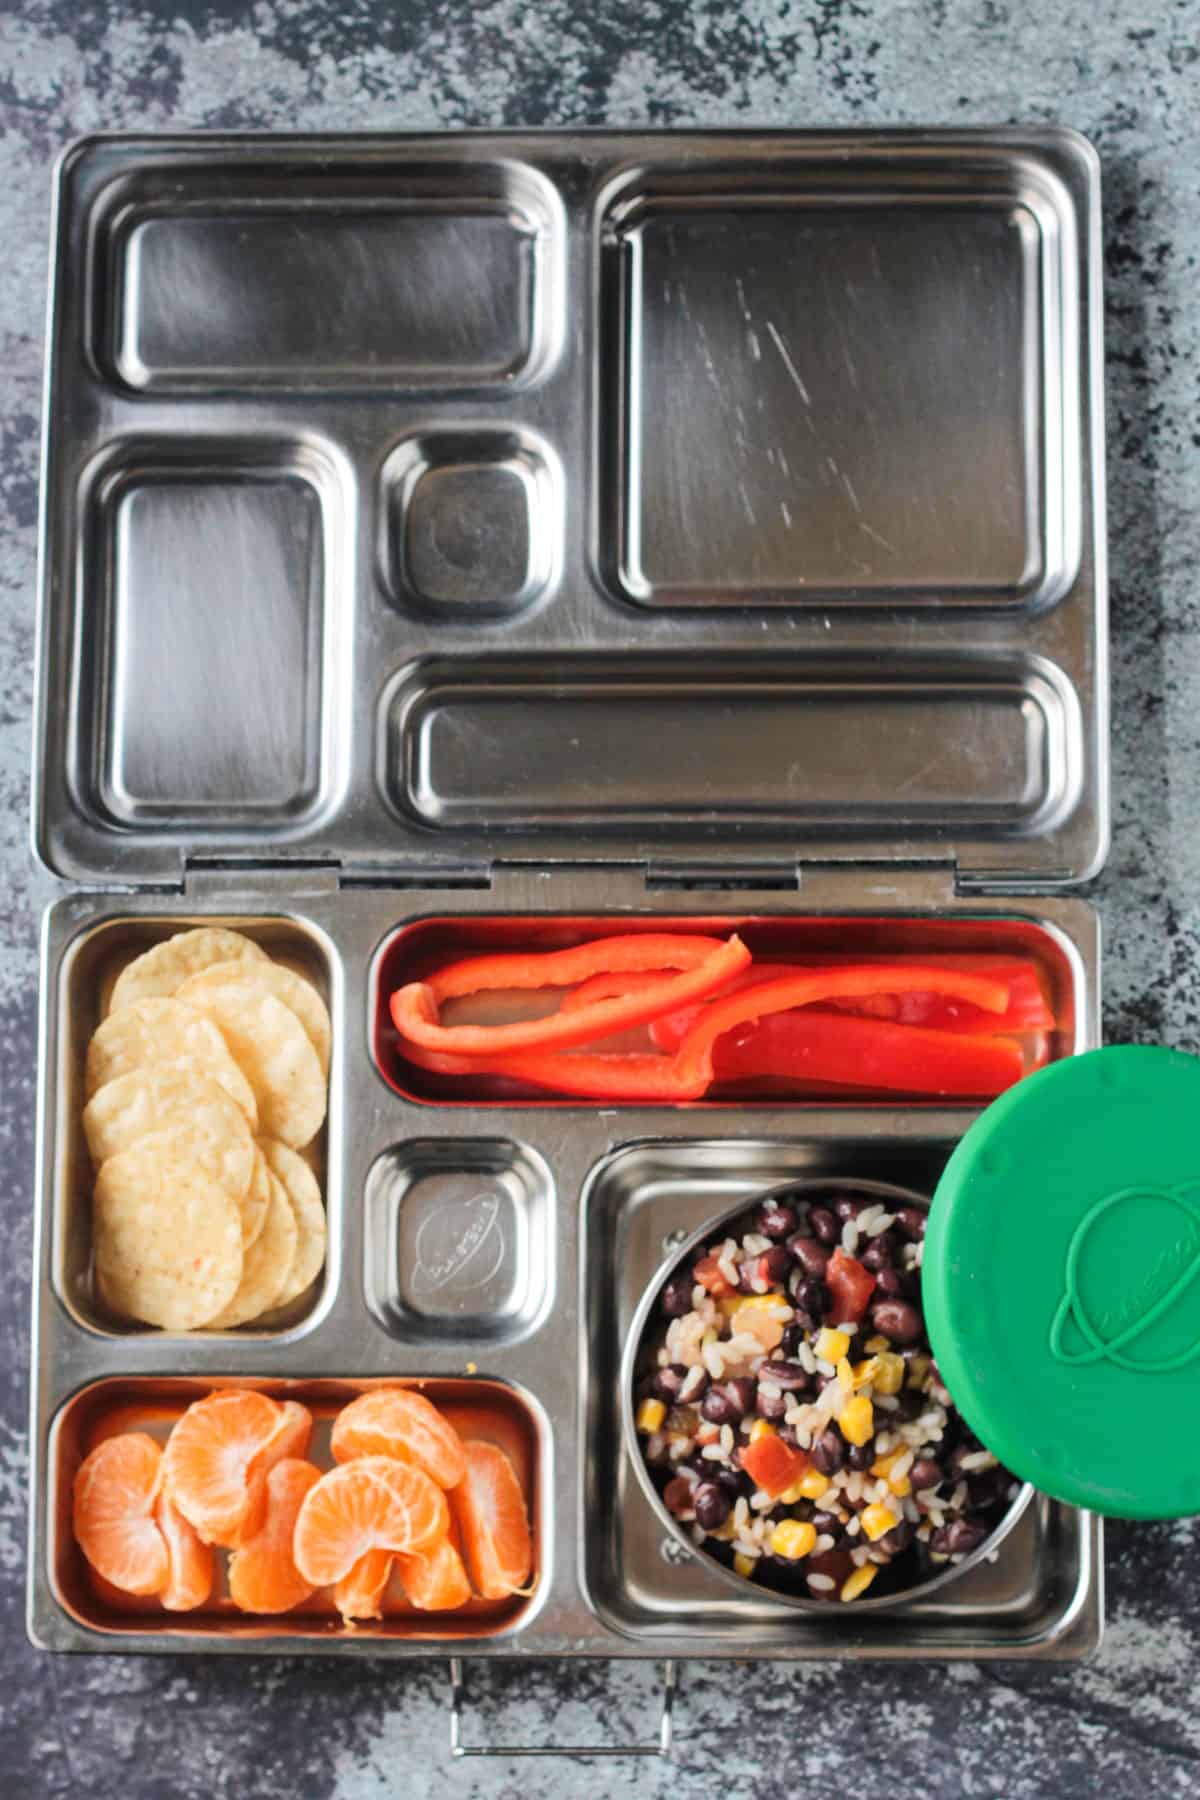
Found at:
<point>1061,1280</point>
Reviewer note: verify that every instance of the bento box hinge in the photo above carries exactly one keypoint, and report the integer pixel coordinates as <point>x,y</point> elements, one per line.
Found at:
<point>208,879</point>
<point>757,877</point>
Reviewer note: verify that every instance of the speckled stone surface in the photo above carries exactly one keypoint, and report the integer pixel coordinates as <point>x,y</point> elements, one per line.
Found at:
<point>1127,72</point>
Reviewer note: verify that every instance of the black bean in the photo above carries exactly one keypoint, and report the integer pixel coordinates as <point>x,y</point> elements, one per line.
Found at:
<point>771,1406</point>
<point>910,1404</point>
<point>776,1264</point>
<point>879,1253</point>
<point>677,1495</point>
<point>776,1219</point>
<point>786,1375</point>
<point>823,1224</point>
<point>897,1539</point>
<point>725,1402</point>
<point>861,1456</point>
<point>812,1297</point>
<point>847,1208</point>
<point>828,1454</point>
<point>898,1320</point>
<point>713,1505</point>
<point>667,1382</point>
<point>827,1523</point>
<point>889,1283</point>
<point>676,1298</point>
<point>912,1221</point>
<point>812,1256</point>
<point>794,1335</point>
<point>987,1489</point>
<point>695,1384</point>
<point>958,1538</point>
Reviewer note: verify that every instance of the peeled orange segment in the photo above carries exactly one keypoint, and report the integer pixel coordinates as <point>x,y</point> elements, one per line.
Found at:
<point>189,1559</point>
<point>209,1458</point>
<point>489,1509</point>
<point>115,1491</point>
<point>401,1423</point>
<point>435,1579</point>
<point>289,1440</point>
<point>263,1577</point>
<point>359,1595</point>
<point>373,1503</point>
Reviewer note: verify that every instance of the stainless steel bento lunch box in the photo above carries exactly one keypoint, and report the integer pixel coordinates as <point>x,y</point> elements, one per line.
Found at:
<point>487,539</point>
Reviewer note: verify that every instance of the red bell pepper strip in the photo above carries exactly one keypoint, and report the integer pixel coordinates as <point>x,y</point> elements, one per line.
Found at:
<point>813,1045</point>
<point>631,952</point>
<point>850,1284</point>
<point>414,1010</point>
<point>1027,1008</point>
<point>606,985</point>
<point>694,1059</point>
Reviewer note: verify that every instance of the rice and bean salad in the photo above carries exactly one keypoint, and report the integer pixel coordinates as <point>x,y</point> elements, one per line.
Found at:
<point>792,1415</point>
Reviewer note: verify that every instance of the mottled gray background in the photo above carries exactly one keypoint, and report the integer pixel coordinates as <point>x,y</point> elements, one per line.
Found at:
<point>1127,72</point>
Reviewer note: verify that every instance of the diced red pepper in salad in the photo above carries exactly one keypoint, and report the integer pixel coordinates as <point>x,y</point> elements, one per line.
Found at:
<point>773,1464</point>
<point>850,1285</point>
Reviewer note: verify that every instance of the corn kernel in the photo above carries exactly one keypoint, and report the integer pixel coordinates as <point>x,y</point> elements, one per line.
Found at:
<point>889,1378</point>
<point>761,1302</point>
<point>725,1532</point>
<point>865,1372</point>
<point>845,1375</point>
<point>856,1421</point>
<point>761,1428</point>
<point>790,1495</point>
<point>745,1565</point>
<point>710,1337</point>
<point>793,1538</point>
<point>831,1345</point>
<point>883,1465</point>
<point>876,1344</point>
<point>729,1303</point>
<point>918,1369</point>
<point>813,1485</point>
<point>859,1581</point>
<point>876,1521</point>
<point>900,1485</point>
<point>651,1414</point>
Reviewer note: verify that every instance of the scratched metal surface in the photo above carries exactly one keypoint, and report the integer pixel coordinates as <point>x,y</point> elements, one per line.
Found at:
<point>1126,73</point>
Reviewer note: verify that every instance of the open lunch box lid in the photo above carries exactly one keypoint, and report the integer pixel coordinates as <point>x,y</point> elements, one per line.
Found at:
<point>720,503</point>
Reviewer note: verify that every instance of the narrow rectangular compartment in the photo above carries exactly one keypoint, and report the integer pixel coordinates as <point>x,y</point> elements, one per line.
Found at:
<point>89,967</point>
<point>204,642</point>
<point>414,950</point>
<point>346,277</point>
<point>985,746</point>
<point>639,1203</point>
<point>492,1410</point>
<point>842,381</point>
<point>459,1240</point>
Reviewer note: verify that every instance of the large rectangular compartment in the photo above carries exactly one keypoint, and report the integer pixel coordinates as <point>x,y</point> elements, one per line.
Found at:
<point>383,615</point>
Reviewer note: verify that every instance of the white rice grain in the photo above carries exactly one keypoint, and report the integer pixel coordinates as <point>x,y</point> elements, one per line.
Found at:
<point>821,1584</point>
<point>981,1459</point>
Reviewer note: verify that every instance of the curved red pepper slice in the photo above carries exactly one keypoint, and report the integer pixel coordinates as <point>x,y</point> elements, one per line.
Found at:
<point>608,984</point>
<point>632,952</point>
<point>869,1054</point>
<point>414,1011</point>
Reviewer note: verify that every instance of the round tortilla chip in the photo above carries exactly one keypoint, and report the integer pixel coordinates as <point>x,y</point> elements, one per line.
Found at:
<point>206,1127</point>
<point>256,1201</point>
<point>295,992</point>
<point>300,1185</point>
<point>159,971</point>
<point>272,1050</point>
<point>267,1263</point>
<point>167,1239</point>
<point>166,1034</point>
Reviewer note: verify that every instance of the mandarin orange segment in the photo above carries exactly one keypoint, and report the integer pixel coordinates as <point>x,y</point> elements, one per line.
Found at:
<point>189,1559</point>
<point>401,1423</point>
<point>210,1455</point>
<point>435,1579</point>
<point>263,1577</point>
<point>373,1503</point>
<point>489,1509</point>
<point>359,1595</point>
<point>115,1492</point>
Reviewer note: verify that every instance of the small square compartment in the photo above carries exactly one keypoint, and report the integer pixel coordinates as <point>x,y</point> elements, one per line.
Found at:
<point>458,1243</point>
<point>90,965</point>
<point>471,522</point>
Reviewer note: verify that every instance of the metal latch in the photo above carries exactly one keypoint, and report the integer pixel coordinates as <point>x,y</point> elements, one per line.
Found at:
<point>662,1748</point>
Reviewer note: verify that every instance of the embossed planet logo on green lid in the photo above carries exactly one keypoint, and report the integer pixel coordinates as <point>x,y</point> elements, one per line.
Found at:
<point>1061,1280</point>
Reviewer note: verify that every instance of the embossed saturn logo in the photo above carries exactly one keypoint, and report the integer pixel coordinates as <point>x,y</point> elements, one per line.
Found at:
<point>460,1246</point>
<point>1128,1291</point>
